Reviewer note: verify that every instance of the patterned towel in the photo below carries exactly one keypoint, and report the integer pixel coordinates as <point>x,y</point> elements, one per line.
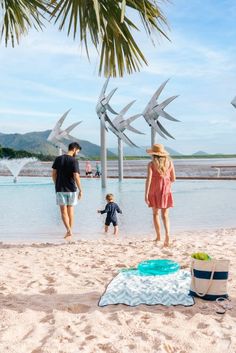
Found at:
<point>131,289</point>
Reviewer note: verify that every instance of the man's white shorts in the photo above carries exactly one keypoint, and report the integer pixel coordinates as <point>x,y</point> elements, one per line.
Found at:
<point>66,198</point>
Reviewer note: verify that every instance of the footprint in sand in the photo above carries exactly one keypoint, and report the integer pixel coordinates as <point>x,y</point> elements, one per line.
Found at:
<point>24,267</point>
<point>32,284</point>
<point>202,325</point>
<point>48,319</point>
<point>132,346</point>
<point>87,330</point>
<point>170,314</point>
<point>142,336</point>
<point>78,308</point>
<point>49,290</point>
<point>107,347</point>
<point>90,337</point>
<point>114,317</point>
<point>50,279</point>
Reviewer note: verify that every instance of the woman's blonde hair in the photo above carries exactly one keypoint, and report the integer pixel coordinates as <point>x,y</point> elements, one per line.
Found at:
<point>161,163</point>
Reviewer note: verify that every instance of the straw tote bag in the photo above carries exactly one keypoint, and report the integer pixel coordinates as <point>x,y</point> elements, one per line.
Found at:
<point>209,279</point>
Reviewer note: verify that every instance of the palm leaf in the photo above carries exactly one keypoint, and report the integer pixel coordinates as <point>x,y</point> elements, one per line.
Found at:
<point>123,10</point>
<point>19,15</point>
<point>97,9</point>
<point>104,24</point>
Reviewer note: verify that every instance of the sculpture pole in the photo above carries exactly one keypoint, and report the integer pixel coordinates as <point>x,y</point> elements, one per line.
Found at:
<point>120,159</point>
<point>118,128</point>
<point>101,109</point>
<point>153,136</point>
<point>103,155</point>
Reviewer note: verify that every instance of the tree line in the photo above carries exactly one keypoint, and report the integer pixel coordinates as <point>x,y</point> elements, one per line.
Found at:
<point>10,153</point>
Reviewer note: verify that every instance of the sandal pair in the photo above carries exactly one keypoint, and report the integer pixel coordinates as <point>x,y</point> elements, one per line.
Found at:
<point>223,304</point>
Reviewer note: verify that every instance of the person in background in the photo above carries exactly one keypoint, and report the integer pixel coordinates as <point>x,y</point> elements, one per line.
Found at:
<point>88,169</point>
<point>158,195</point>
<point>98,170</point>
<point>111,209</point>
<point>66,177</point>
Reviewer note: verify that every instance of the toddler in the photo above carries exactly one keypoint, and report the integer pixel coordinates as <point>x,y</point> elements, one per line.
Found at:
<point>111,209</point>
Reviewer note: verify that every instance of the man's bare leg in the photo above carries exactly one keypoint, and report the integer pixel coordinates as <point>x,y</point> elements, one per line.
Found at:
<point>106,228</point>
<point>65,219</point>
<point>116,229</point>
<point>70,212</point>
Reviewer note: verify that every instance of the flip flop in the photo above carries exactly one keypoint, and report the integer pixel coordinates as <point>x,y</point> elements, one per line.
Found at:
<point>220,310</point>
<point>223,305</point>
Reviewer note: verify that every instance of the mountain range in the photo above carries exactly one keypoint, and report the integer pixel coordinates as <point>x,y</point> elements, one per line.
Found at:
<point>141,151</point>
<point>36,142</point>
<point>200,153</point>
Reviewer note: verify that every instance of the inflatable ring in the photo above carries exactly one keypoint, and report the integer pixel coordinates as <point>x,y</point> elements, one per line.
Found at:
<point>157,267</point>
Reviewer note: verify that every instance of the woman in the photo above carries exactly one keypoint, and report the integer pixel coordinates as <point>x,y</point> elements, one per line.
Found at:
<point>158,194</point>
<point>88,169</point>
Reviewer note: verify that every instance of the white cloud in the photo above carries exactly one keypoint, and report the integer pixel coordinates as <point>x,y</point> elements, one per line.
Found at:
<point>26,113</point>
<point>47,90</point>
<point>59,92</point>
<point>185,57</point>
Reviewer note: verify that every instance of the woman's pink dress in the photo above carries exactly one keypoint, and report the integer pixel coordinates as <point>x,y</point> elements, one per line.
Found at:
<point>160,195</point>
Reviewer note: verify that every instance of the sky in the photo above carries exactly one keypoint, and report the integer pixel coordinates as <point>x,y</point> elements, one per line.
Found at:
<point>49,73</point>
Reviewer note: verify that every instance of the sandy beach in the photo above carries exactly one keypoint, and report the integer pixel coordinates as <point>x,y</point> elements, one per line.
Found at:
<point>49,299</point>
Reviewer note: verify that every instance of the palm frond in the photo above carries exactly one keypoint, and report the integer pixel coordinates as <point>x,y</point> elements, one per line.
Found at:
<point>19,15</point>
<point>104,23</point>
<point>123,4</point>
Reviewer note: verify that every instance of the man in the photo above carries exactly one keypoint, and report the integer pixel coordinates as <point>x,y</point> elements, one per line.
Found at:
<point>66,177</point>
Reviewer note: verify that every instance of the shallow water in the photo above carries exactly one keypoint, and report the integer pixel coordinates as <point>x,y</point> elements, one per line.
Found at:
<point>29,212</point>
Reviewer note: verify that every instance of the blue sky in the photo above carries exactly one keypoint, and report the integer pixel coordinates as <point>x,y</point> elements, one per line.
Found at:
<point>48,73</point>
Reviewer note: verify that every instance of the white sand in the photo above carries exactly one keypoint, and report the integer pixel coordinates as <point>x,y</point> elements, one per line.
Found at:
<point>49,296</point>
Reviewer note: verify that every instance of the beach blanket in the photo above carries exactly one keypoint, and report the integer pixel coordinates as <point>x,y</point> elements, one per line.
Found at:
<point>132,289</point>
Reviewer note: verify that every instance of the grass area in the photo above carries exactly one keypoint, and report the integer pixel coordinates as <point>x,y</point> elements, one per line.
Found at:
<point>205,156</point>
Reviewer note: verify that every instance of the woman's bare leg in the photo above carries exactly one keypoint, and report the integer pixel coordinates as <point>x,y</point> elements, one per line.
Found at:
<point>106,228</point>
<point>157,224</point>
<point>165,219</point>
<point>116,229</point>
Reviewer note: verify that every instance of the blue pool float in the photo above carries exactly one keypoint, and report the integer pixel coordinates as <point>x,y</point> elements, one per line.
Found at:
<point>157,267</point>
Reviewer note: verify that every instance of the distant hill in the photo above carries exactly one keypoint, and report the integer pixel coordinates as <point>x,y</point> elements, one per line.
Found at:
<point>36,142</point>
<point>141,151</point>
<point>200,153</point>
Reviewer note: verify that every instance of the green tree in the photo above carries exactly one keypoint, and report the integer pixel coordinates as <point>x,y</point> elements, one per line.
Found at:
<point>103,23</point>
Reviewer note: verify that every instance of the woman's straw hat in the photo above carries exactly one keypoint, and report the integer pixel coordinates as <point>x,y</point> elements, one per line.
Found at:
<point>158,150</point>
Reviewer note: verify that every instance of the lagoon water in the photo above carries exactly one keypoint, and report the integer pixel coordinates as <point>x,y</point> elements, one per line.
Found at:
<point>29,212</point>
